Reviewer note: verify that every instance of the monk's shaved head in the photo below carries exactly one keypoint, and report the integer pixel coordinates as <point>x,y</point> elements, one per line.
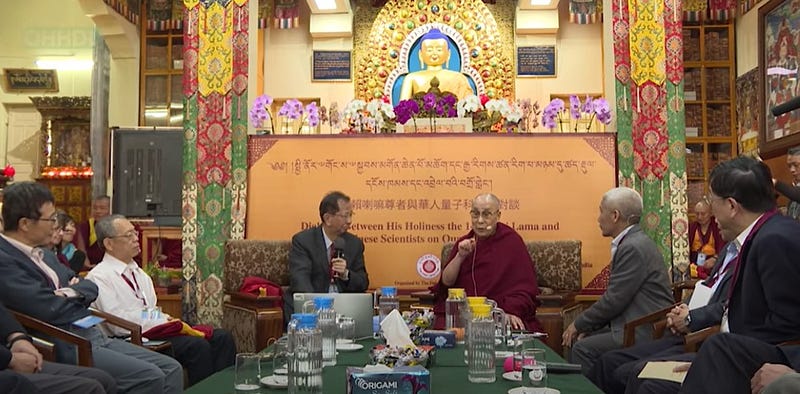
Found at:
<point>487,197</point>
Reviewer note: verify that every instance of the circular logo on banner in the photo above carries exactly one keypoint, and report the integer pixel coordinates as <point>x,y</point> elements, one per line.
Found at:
<point>428,266</point>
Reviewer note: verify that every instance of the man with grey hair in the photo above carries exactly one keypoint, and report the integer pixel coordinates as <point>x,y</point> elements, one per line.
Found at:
<point>124,290</point>
<point>792,192</point>
<point>638,284</point>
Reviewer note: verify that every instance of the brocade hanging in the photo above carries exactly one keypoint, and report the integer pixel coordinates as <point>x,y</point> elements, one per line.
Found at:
<point>287,14</point>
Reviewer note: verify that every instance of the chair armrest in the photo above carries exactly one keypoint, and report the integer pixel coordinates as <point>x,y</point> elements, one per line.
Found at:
<point>557,299</point>
<point>248,300</point>
<point>629,333</point>
<point>679,287</point>
<point>82,344</point>
<point>135,329</point>
<point>46,348</point>
<point>692,341</point>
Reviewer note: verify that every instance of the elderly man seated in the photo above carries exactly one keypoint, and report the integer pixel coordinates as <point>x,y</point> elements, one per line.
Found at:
<point>491,260</point>
<point>125,290</point>
<point>638,284</point>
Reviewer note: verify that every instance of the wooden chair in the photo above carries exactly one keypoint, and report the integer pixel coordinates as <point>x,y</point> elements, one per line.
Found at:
<point>84,347</point>
<point>47,349</point>
<point>657,319</point>
<point>678,288</point>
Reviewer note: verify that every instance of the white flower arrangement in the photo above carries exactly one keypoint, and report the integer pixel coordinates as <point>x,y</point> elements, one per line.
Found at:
<point>469,104</point>
<point>378,110</point>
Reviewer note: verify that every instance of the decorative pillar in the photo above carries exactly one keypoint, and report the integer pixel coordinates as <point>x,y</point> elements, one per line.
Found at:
<point>215,147</point>
<point>648,67</point>
<point>99,113</point>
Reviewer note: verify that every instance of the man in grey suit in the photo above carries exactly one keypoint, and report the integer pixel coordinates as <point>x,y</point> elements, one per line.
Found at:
<point>638,284</point>
<point>35,283</point>
<point>326,258</point>
<point>615,368</point>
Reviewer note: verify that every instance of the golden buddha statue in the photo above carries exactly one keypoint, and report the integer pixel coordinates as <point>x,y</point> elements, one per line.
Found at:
<point>434,52</point>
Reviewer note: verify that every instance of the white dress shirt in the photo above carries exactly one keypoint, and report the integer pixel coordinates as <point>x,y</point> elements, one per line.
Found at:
<point>117,297</point>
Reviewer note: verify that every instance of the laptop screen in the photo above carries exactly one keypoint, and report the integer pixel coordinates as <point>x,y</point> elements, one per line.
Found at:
<point>359,306</point>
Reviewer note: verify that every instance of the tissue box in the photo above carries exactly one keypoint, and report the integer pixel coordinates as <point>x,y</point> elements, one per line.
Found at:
<point>439,338</point>
<point>400,380</point>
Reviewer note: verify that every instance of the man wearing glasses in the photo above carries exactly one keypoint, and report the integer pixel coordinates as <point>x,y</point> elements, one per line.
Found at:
<point>36,284</point>
<point>125,290</point>
<point>493,261</point>
<point>326,258</point>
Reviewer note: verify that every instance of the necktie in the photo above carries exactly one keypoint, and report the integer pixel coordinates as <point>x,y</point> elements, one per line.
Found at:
<point>332,255</point>
<point>730,255</point>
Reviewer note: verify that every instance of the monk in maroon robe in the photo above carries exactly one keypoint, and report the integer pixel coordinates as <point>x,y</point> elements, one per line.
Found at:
<point>493,261</point>
<point>85,240</point>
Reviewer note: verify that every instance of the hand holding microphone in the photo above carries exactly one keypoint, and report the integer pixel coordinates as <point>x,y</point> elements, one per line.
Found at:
<point>338,263</point>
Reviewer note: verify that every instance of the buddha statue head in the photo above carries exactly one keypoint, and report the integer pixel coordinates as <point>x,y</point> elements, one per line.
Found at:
<point>434,49</point>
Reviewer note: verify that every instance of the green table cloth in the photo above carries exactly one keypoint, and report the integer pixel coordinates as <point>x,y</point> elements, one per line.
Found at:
<point>448,375</point>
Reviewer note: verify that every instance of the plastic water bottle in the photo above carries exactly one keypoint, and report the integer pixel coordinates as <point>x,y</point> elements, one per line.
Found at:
<point>305,356</point>
<point>388,301</point>
<point>326,321</point>
<point>481,368</point>
<point>454,310</point>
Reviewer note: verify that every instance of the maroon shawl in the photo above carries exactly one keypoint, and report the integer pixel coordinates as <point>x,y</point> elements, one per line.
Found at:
<point>503,272</point>
<point>94,252</point>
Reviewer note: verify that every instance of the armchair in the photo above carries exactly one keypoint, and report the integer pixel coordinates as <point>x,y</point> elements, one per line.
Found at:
<point>252,319</point>
<point>84,347</point>
<point>657,319</point>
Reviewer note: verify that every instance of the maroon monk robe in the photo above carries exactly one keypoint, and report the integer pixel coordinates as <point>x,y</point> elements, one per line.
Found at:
<point>503,271</point>
<point>94,252</point>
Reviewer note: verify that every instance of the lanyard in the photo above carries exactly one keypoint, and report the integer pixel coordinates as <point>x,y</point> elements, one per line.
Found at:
<point>136,289</point>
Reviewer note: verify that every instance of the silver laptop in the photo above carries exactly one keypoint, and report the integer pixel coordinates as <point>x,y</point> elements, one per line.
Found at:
<point>356,305</point>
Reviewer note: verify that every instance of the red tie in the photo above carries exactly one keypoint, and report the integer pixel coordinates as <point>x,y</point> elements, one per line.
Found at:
<point>332,256</point>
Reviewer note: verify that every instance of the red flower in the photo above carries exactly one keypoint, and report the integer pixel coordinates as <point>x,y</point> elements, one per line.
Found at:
<point>9,171</point>
<point>385,99</point>
<point>484,99</point>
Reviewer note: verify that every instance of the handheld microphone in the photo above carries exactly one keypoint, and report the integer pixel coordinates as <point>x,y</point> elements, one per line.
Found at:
<point>788,106</point>
<point>338,247</point>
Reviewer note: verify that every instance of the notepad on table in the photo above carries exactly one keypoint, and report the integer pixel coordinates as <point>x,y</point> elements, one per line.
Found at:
<point>663,370</point>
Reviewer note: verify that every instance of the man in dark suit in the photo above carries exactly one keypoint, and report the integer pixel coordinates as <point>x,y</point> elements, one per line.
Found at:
<point>763,302</point>
<point>35,283</point>
<point>638,285</point>
<point>22,370</point>
<point>614,369</point>
<point>326,258</point>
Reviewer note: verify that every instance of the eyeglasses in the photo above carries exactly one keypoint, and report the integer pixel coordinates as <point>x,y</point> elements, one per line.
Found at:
<point>133,234</point>
<point>345,215</point>
<point>52,220</point>
<point>475,215</point>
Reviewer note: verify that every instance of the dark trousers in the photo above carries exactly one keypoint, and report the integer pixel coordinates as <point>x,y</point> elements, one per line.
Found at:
<point>732,360</point>
<point>656,386</point>
<point>201,358</point>
<point>613,369</point>
<point>14,383</point>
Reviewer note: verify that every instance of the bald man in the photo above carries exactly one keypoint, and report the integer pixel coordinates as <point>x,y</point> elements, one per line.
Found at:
<point>705,238</point>
<point>638,284</point>
<point>493,261</point>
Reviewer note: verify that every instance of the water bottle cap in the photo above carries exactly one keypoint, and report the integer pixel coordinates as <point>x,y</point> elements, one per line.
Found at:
<point>323,303</point>
<point>481,310</point>
<point>306,320</point>
<point>456,293</point>
<point>388,291</point>
<point>476,300</point>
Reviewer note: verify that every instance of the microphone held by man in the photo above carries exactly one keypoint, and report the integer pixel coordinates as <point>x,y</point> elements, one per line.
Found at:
<point>338,263</point>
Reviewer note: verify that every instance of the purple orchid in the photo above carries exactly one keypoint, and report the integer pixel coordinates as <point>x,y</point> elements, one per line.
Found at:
<point>260,111</point>
<point>313,114</point>
<point>428,102</point>
<point>574,107</point>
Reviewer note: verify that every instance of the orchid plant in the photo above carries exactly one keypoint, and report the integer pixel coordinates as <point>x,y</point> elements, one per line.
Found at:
<point>367,117</point>
<point>557,113</point>
<point>292,109</point>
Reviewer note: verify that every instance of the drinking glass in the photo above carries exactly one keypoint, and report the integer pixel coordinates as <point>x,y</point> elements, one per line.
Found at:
<point>247,372</point>
<point>347,330</point>
<point>534,370</point>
